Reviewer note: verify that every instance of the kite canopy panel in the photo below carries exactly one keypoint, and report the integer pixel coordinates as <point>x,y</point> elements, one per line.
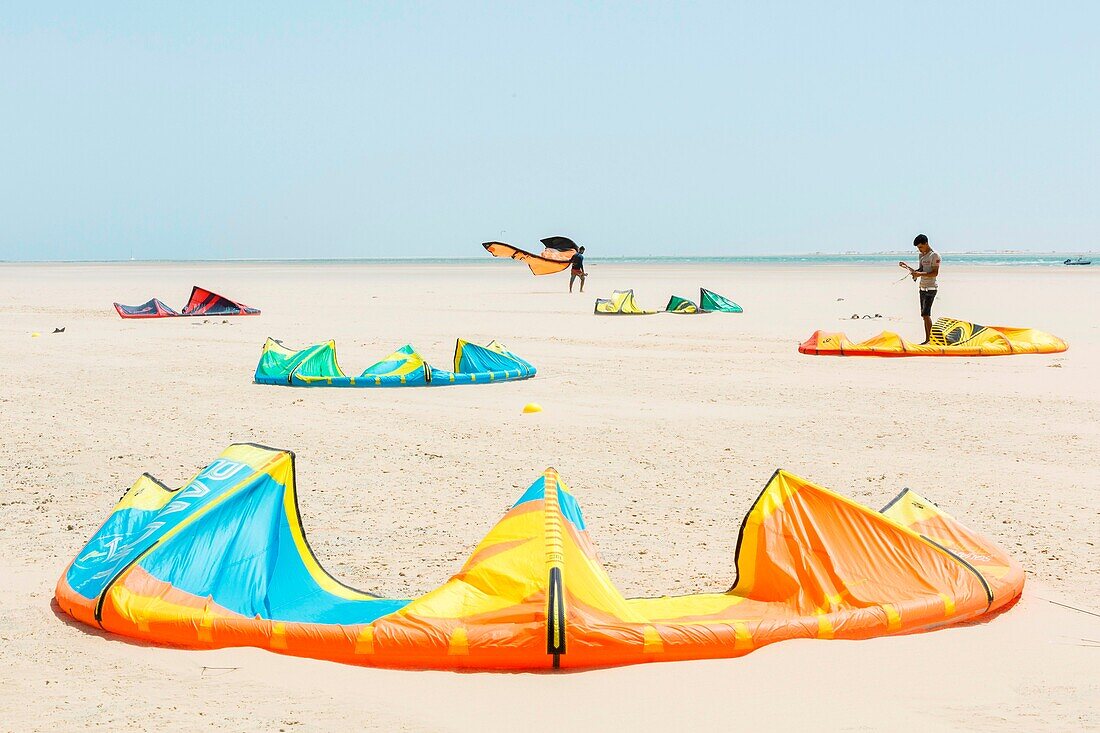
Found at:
<point>621,303</point>
<point>317,366</point>
<point>950,337</point>
<point>224,562</point>
<point>206,303</point>
<point>202,302</point>
<point>677,304</point>
<point>554,258</point>
<point>709,301</point>
<point>561,244</point>
<point>149,309</point>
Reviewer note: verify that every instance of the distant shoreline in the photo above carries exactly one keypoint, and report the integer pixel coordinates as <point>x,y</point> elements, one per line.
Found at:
<point>960,258</point>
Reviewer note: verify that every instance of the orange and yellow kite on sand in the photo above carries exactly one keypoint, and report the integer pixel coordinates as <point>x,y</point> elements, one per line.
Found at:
<point>950,337</point>
<point>224,561</point>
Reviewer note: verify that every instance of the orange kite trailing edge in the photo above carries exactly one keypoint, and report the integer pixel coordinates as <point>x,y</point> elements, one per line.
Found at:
<point>555,258</point>
<point>224,561</point>
<point>949,338</point>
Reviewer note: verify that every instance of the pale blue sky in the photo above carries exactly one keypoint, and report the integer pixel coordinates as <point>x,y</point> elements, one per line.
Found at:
<point>270,129</point>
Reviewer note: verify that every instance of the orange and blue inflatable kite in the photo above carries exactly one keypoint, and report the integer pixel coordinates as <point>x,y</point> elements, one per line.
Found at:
<point>224,561</point>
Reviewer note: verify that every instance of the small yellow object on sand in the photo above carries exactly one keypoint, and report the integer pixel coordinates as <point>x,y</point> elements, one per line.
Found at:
<point>35,335</point>
<point>531,407</point>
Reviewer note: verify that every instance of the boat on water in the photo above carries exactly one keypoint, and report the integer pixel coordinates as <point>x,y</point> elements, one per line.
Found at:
<point>1078,261</point>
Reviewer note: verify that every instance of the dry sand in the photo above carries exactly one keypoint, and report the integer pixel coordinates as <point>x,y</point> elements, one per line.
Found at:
<point>666,427</point>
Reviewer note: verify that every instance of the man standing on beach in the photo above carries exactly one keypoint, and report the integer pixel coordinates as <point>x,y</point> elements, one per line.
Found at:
<point>576,263</point>
<point>928,269</point>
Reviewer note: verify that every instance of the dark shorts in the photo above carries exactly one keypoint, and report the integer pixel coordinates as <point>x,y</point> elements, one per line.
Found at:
<point>926,298</point>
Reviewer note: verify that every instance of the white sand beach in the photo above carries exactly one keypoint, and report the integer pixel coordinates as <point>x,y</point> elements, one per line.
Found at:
<point>665,427</point>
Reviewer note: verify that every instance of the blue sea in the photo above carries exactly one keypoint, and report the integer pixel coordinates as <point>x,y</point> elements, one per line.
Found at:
<point>1006,259</point>
<point>961,258</point>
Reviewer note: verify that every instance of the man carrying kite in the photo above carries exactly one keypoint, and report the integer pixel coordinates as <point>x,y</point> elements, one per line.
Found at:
<point>576,264</point>
<point>560,252</point>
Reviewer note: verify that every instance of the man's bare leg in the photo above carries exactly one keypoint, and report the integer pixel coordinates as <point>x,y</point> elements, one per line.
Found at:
<point>582,282</point>
<point>927,329</point>
<point>572,277</point>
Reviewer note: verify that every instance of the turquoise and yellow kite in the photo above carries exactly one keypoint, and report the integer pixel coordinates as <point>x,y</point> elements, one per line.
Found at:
<point>622,303</point>
<point>708,303</point>
<point>317,366</point>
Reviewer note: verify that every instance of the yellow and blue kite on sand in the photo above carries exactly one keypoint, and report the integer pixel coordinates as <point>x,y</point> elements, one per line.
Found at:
<point>621,303</point>
<point>317,366</point>
<point>224,561</point>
